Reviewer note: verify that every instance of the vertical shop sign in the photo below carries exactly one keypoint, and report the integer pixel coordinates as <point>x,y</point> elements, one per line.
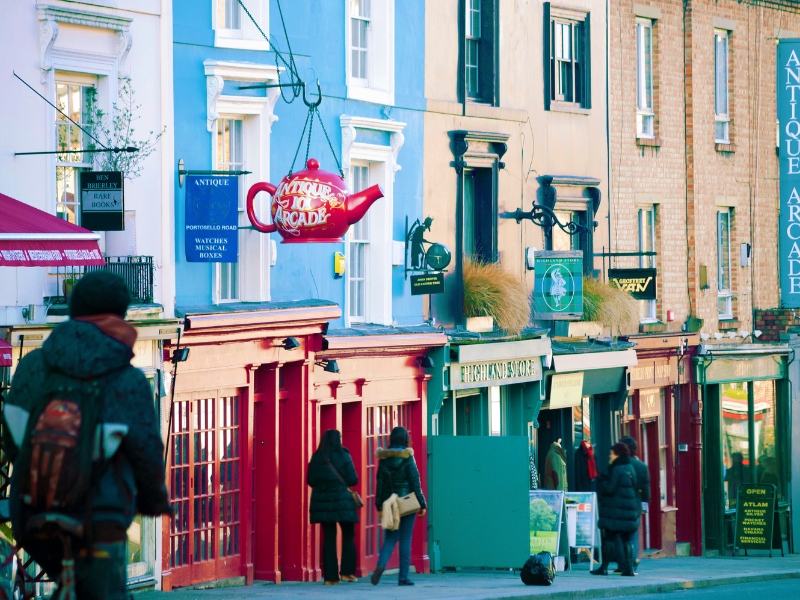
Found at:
<point>558,286</point>
<point>212,219</point>
<point>102,202</point>
<point>788,95</point>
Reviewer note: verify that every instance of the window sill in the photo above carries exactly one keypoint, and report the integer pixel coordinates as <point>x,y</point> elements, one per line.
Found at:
<point>221,40</point>
<point>652,327</point>
<point>568,107</point>
<point>649,142</point>
<point>728,324</point>
<point>722,147</point>
<point>366,94</point>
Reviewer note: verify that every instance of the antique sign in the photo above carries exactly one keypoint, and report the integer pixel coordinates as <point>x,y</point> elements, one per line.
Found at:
<point>640,283</point>
<point>653,372</point>
<point>756,527</point>
<point>432,283</point>
<point>565,390</point>
<point>788,82</point>
<point>311,205</point>
<point>558,286</point>
<point>500,372</point>
<point>212,215</point>
<point>649,403</point>
<point>102,205</point>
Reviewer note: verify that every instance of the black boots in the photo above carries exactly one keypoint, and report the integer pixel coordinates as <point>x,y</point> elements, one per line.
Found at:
<point>608,552</point>
<point>376,575</point>
<point>630,561</point>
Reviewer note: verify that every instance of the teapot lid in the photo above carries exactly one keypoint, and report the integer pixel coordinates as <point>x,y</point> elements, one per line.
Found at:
<point>313,172</point>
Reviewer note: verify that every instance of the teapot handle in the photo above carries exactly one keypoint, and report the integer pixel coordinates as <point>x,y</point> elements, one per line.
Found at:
<point>262,186</point>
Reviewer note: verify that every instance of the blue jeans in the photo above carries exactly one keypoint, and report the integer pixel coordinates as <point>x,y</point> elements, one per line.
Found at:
<point>404,534</point>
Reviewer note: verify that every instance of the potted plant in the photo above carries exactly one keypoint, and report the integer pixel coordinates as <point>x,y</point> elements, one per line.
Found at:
<point>610,306</point>
<point>70,279</point>
<point>494,296</point>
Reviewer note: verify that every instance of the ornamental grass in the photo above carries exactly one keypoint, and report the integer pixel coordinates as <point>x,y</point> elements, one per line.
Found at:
<point>611,306</point>
<point>490,291</point>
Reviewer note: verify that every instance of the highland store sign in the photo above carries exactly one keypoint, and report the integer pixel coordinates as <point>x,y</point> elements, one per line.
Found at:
<point>788,94</point>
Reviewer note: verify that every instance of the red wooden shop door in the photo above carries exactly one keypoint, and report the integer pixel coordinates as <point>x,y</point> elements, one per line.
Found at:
<point>205,488</point>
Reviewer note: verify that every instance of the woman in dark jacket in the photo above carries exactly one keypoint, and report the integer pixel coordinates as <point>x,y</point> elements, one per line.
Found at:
<point>619,509</point>
<point>397,474</point>
<point>331,503</point>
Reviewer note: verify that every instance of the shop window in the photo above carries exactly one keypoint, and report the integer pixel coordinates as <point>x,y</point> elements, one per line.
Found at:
<point>721,81</point>
<point>645,116</point>
<point>358,253</point>
<point>479,50</point>
<point>230,157</point>
<point>567,45</point>
<point>560,240</point>
<point>724,274</point>
<point>480,215</point>
<point>369,34</point>
<point>647,243</point>
<point>495,425</point>
<point>582,421</point>
<point>74,100</point>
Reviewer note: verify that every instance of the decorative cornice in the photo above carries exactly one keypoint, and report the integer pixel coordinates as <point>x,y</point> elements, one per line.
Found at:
<point>350,124</point>
<point>214,85</point>
<point>48,32</point>
<point>461,143</point>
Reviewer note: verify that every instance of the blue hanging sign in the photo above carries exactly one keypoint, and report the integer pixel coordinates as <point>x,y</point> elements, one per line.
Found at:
<point>788,94</point>
<point>212,218</point>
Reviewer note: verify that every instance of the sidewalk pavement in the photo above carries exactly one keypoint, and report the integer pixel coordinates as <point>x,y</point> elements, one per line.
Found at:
<point>655,576</point>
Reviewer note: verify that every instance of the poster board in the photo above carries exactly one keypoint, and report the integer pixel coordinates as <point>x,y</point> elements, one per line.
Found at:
<point>587,534</point>
<point>757,526</point>
<point>548,523</point>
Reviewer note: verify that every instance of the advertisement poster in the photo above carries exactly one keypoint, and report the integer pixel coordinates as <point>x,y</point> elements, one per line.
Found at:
<point>755,518</point>
<point>558,285</point>
<point>586,518</point>
<point>212,218</point>
<point>546,515</point>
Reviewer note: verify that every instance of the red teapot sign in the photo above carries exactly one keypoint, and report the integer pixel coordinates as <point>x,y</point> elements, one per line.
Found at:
<point>311,206</point>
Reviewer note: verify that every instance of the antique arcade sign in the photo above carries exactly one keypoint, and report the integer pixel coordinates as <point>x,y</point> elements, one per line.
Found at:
<point>212,214</point>
<point>311,206</point>
<point>789,152</point>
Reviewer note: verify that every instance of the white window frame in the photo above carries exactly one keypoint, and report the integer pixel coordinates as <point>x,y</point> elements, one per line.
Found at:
<point>378,87</point>
<point>256,112</point>
<point>352,243</point>
<point>722,119</point>
<point>247,37</point>
<point>647,262</point>
<point>576,58</point>
<point>725,294</point>
<point>472,37</point>
<point>227,271</point>
<point>382,160</point>
<point>645,114</point>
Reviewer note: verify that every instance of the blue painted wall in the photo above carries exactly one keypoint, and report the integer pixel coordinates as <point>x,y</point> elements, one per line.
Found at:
<point>317,39</point>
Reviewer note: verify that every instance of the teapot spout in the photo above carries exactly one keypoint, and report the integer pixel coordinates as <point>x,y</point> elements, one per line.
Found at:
<point>358,204</point>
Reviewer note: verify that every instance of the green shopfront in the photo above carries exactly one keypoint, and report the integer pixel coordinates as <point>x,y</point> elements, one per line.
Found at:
<point>746,415</point>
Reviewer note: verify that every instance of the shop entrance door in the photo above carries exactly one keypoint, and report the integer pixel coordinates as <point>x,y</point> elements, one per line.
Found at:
<point>205,488</point>
<point>651,456</point>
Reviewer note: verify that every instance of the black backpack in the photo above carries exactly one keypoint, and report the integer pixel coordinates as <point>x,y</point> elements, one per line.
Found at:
<point>539,569</point>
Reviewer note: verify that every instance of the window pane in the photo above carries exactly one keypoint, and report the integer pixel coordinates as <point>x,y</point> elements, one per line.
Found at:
<point>735,440</point>
<point>472,68</point>
<point>648,67</point>
<point>469,213</point>
<point>721,75</point>
<point>229,14</point>
<point>644,66</point>
<point>723,250</point>
<point>474,18</point>
<point>767,470</point>
<point>647,241</point>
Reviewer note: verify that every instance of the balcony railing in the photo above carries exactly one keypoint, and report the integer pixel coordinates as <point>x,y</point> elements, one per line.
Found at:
<point>137,271</point>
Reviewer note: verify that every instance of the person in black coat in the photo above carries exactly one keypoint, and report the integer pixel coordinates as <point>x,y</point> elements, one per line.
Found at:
<point>642,488</point>
<point>619,509</point>
<point>398,474</point>
<point>330,473</point>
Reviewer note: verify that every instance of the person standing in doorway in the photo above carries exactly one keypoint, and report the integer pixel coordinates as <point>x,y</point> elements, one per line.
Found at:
<point>642,490</point>
<point>619,510</point>
<point>330,474</point>
<point>398,474</point>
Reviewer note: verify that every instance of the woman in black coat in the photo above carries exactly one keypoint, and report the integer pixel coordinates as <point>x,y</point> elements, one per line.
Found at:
<point>619,510</point>
<point>330,473</point>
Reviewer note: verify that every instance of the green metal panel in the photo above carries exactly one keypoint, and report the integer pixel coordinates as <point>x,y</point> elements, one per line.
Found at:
<point>479,508</point>
<point>603,381</point>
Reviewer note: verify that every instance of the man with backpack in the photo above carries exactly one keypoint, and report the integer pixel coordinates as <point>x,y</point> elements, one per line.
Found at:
<point>82,433</point>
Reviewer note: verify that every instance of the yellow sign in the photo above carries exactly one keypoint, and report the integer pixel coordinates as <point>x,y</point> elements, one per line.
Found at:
<point>565,390</point>
<point>649,403</point>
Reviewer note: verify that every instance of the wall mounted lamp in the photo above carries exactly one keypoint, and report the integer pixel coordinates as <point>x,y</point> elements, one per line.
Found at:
<point>426,362</point>
<point>290,343</point>
<point>329,366</point>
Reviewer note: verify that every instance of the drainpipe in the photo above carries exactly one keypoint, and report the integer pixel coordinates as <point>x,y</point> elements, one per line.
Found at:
<point>608,130</point>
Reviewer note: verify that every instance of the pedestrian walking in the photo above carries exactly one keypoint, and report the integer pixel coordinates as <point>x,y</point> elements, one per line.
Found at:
<point>398,474</point>
<point>642,492</point>
<point>619,510</point>
<point>83,437</point>
<point>330,474</point>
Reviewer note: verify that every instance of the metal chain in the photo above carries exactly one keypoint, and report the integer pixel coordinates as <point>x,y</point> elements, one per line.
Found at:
<point>300,143</point>
<point>311,111</point>
<point>338,166</point>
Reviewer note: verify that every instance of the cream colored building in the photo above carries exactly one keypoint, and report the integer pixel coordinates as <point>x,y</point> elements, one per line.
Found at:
<point>516,94</point>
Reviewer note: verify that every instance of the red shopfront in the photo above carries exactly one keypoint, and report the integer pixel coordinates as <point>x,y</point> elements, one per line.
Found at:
<point>658,415</point>
<point>247,416</point>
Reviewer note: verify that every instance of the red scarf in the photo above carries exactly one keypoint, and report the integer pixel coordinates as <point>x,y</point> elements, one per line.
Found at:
<point>590,461</point>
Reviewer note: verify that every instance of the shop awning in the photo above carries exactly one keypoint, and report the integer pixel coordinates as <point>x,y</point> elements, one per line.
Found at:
<point>594,360</point>
<point>5,354</point>
<point>30,237</point>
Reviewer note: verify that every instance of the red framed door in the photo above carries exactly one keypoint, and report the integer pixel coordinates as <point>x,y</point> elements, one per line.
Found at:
<point>205,488</point>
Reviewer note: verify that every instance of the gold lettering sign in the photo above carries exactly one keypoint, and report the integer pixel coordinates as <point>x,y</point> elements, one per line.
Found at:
<point>566,390</point>
<point>502,372</point>
<point>649,403</point>
<point>721,370</point>
<point>658,372</point>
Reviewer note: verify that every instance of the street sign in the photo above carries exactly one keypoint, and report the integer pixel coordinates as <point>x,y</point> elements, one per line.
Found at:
<point>558,286</point>
<point>212,218</point>
<point>102,201</point>
<point>432,283</point>
<point>639,283</point>
<point>757,526</point>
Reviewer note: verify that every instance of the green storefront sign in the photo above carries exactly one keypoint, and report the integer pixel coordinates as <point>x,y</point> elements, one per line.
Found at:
<point>558,286</point>
<point>726,370</point>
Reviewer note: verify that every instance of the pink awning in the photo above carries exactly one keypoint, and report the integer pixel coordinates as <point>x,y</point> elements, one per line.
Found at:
<point>30,237</point>
<point>5,354</point>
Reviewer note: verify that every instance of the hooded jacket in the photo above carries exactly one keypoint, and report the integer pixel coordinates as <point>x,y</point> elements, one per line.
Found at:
<point>397,474</point>
<point>619,507</point>
<point>555,468</point>
<point>331,502</point>
<point>97,347</point>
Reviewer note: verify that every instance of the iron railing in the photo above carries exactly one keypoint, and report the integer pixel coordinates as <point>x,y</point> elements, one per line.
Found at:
<point>137,271</point>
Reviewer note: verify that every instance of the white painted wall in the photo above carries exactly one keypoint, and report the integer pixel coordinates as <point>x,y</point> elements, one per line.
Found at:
<point>27,123</point>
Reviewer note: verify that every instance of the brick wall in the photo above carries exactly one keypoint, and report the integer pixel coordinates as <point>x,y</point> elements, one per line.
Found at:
<point>773,322</point>
<point>684,173</point>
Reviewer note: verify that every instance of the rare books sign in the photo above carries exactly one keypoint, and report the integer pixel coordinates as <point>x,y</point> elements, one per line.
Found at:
<point>789,153</point>
<point>102,206</point>
<point>558,286</point>
<point>639,283</point>
<point>212,214</point>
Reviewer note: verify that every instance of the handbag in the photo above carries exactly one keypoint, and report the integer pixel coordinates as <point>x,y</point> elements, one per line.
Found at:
<point>356,496</point>
<point>408,504</point>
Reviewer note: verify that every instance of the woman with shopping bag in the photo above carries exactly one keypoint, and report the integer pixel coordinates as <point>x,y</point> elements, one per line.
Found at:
<point>398,475</point>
